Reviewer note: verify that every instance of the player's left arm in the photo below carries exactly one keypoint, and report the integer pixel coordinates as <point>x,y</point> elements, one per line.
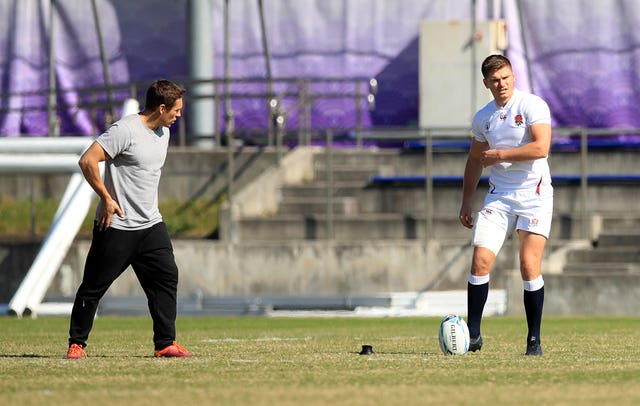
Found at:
<point>538,147</point>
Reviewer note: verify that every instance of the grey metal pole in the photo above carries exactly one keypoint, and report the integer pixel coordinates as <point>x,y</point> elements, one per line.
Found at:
<point>329,169</point>
<point>358,115</point>
<point>200,112</point>
<point>229,126</point>
<point>272,103</point>
<point>105,64</point>
<point>584,165</point>
<point>52,118</point>
<point>428,186</point>
<point>473,58</point>
<point>228,111</point>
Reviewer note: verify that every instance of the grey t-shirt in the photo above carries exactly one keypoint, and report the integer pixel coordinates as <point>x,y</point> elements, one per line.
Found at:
<point>132,173</point>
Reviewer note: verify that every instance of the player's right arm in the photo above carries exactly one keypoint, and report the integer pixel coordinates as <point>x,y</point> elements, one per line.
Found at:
<point>89,165</point>
<point>472,173</point>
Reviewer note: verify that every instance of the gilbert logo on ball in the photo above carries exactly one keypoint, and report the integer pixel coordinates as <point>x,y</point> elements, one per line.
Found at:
<point>453,335</point>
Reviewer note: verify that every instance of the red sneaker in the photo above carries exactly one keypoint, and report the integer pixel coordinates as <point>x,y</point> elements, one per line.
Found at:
<point>76,351</point>
<point>173,350</point>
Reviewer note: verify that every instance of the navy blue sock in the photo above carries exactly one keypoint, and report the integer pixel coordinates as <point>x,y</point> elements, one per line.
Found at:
<point>533,302</point>
<point>476,299</point>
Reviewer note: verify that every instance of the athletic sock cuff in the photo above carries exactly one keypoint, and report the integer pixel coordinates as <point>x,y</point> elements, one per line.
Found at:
<point>532,286</point>
<point>478,280</point>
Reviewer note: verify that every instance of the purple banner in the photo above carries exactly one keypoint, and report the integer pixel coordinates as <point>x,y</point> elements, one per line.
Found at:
<point>579,55</point>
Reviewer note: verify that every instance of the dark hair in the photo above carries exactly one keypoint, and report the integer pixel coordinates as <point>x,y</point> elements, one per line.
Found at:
<point>493,63</point>
<point>163,92</point>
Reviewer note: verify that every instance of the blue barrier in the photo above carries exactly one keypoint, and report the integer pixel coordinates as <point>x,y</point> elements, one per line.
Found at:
<point>443,180</point>
<point>564,145</point>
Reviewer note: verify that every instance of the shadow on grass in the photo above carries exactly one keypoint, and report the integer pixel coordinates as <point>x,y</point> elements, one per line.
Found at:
<point>396,353</point>
<point>63,357</point>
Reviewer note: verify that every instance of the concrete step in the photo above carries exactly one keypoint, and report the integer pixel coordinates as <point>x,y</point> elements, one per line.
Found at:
<point>318,205</point>
<point>347,228</point>
<point>567,198</point>
<point>345,173</point>
<point>413,200</point>
<point>602,267</point>
<point>319,189</point>
<point>620,221</point>
<point>356,227</point>
<point>590,293</point>
<point>618,239</point>
<point>599,255</point>
<point>354,157</point>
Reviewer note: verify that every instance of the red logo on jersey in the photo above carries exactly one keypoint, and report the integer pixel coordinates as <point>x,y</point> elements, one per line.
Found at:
<point>518,119</point>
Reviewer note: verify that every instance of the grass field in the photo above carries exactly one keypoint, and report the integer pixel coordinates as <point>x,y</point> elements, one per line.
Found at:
<point>315,361</point>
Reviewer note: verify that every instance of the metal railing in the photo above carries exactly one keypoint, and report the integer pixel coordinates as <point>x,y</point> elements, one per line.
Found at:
<point>97,103</point>
<point>573,140</point>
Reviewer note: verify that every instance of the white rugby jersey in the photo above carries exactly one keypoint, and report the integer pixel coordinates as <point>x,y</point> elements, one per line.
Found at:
<point>508,127</point>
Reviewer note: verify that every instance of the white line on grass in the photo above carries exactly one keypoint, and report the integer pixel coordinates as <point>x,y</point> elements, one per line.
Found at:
<point>261,339</point>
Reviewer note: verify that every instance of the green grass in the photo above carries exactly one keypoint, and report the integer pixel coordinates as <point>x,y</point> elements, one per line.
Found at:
<point>315,361</point>
<point>20,218</point>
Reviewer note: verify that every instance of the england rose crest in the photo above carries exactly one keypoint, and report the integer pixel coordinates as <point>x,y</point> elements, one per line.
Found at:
<point>518,119</point>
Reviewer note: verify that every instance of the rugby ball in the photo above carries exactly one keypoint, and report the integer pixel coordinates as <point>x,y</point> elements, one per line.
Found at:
<point>454,335</point>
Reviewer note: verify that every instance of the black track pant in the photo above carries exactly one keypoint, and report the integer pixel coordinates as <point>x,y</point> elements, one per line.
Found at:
<point>150,254</point>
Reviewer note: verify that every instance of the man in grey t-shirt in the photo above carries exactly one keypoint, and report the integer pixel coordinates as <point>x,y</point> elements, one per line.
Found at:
<point>128,227</point>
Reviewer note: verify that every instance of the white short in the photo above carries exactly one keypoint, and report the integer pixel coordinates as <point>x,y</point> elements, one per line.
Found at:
<point>503,213</point>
